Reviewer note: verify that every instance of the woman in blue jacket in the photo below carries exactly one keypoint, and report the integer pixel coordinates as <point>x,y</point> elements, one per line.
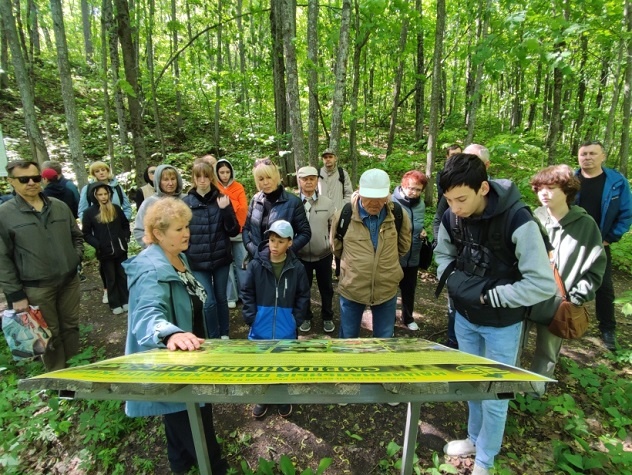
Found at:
<point>166,311</point>
<point>213,224</point>
<point>271,204</point>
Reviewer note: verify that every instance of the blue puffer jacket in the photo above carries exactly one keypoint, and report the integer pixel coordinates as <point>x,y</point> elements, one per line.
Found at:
<point>416,212</point>
<point>616,206</point>
<point>274,309</point>
<point>211,229</point>
<point>156,297</point>
<point>288,207</point>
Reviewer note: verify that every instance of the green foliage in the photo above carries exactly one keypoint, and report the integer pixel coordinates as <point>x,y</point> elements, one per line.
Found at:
<point>285,466</point>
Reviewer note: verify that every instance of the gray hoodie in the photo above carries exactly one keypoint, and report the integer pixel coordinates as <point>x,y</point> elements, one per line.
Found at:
<point>139,226</point>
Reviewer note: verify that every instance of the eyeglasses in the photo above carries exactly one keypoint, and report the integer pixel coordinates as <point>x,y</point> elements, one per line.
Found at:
<point>25,179</point>
<point>264,161</point>
<point>414,190</point>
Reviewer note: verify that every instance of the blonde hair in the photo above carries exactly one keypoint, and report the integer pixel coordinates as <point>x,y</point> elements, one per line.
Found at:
<point>266,168</point>
<point>107,212</point>
<point>204,169</point>
<point>94,166</point>
<point>161,214</point>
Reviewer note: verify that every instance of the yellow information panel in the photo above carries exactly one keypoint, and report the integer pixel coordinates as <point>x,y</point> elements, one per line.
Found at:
<point>394,360</point>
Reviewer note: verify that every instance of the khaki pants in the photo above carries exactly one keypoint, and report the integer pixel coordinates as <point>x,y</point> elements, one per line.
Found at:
<point>60,309</point>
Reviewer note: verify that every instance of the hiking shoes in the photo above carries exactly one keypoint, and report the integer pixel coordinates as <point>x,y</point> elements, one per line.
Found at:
<point>460,448</point>
<point>305,326</point>
<point>413,326</point>
<point>284,410</point>
<point>259,410</point>
<point>328,326</point>
<point>608,338</point>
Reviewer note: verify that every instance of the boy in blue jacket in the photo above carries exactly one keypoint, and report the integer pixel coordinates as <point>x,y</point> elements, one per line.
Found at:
<point>275,294</point>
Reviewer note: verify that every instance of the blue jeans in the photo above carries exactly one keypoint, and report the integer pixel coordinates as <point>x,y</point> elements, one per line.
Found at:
<point>237,274</point>
<point>486,422</point>
<point>216,305</point>
<point>351,318</point>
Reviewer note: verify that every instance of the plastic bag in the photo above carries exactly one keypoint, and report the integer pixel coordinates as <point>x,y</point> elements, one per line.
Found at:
<point>27,333</point>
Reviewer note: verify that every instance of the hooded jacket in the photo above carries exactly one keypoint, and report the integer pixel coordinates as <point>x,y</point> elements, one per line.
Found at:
<point>416,210</point>
<point>159,306</point>
<point>535,282</point>
<point>288,207</point>
<point>616,206</point>
<point>37,249</point>
<point>109,239</point>
<point>211,229</point>
<point>274,309</point>
<point>144,191</point>
<point>125,205</point>
<point>370,276</point>
<point>578,251</point>
<point>236,192</point>
<point>58,190</point>
<point>139,227</point>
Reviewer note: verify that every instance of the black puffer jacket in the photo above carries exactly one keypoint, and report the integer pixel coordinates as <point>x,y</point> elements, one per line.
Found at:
<point>288,207</point>
<point>211,229</point>
<point>109,239</point>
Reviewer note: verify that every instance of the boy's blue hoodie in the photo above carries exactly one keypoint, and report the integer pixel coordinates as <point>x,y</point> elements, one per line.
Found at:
<point>274,309</point>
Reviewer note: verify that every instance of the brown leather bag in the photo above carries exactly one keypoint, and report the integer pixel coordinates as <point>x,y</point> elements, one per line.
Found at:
<point>570,321</point>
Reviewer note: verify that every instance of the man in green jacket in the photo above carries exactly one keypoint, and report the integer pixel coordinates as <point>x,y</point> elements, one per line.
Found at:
<point>40,249</point>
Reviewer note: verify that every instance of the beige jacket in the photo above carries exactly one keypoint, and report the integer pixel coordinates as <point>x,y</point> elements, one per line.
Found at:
<point>367,276</point>
<point>329,185</point>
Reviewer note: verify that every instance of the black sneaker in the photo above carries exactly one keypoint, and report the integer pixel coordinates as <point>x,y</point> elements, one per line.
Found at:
<point>608,338</point>
<point>284,410</point>
<point>259,410</point>
<point>328,326</point>
<point>305,326</point>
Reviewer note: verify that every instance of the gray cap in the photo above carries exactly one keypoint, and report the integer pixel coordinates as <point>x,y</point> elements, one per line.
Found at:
<point>328,151</point>
<point>306,171</point>
<point>281,228</point>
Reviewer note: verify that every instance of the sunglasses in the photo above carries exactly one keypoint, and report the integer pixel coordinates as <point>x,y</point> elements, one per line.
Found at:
<point>25,179</point>
<point>263,161</point>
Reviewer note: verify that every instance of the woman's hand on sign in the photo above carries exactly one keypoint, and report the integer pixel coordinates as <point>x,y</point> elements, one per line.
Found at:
<point>184,341</point>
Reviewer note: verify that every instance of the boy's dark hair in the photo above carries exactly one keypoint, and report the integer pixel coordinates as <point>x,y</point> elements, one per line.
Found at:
<point>20,164</point>
<point>454,146</point>
<point>463,169</point>
<point>280,237</point>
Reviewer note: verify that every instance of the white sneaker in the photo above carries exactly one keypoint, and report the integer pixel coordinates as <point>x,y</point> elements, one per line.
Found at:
<point>105,297</point>
<point>460,448</point>
<point>232,304</point>
<point>413,326</point>
<point>478,470</point>
<point>393,404</point>
<point>125,307</point>
<point>117,310</point>
<point>224,337</point>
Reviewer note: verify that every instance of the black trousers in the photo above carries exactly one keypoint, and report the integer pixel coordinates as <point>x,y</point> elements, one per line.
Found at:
<point>322,269</point>
<point>604,300</point>
<point>180,447</point>
<point>407,286</point>
<point>115,281</point>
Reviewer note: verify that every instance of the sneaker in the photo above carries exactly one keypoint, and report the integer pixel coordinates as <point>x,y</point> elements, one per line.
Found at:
<point>305,326</point>
<point>224,337</point>
<point>125,307</point>
<point>284,410</point>
<point>259,410</point>
<point>232,304</point>
<point>117,310</point>
<point>82,277</point>
<point>478,470</point>
<point>460,448</point>
<point>413,326</point>
<point>328,326</point>
<point>393,404</point>
<point>105,297</point>
<point>608,338</point>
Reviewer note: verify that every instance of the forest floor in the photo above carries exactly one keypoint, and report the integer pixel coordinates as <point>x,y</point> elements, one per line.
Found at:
<point>354,436</point>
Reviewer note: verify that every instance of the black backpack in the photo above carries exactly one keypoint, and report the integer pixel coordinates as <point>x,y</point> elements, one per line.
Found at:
<point>345,219</point>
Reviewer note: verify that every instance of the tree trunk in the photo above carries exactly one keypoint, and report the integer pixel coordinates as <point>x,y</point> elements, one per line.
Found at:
<point>87,31</point>
<point>278,73</point>
<point>581,97</point>
<point>38,147</point>
<point>119,103</point>
<point>420,80</point>
<point>312,80</point>
<point>34,39</point>
<point>556,112</point>
<point>293,97</point>
<point>176,65</point>
<point>341,77</point>
<point>616,92</point>
<point>627,93</point>
<point>603,81</point>
<point>68,94</point>
<point>4,58</point>
<point>403,35</point>
<point>534,100</point>
<point>476,87</point>
<point>131,75</point>
<point>152,77</point>
<point>107,115</point>
<point>218,69</point>
<point>243,90</point>
<point>361,39</point>
<point>435,98</point>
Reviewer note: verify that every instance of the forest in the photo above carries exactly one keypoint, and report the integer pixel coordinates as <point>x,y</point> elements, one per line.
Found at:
<point>385,83</point>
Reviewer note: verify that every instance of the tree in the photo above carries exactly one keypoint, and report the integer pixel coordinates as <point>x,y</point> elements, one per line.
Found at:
<point>312,80</point>
<point>435,97</point>
<point>68,94</point>
<point>340,75</point>
<point>627,94</point>
<point>87,31</point>
<point>420,78</point>
<point>399,72</point>
<point>38,147</point>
